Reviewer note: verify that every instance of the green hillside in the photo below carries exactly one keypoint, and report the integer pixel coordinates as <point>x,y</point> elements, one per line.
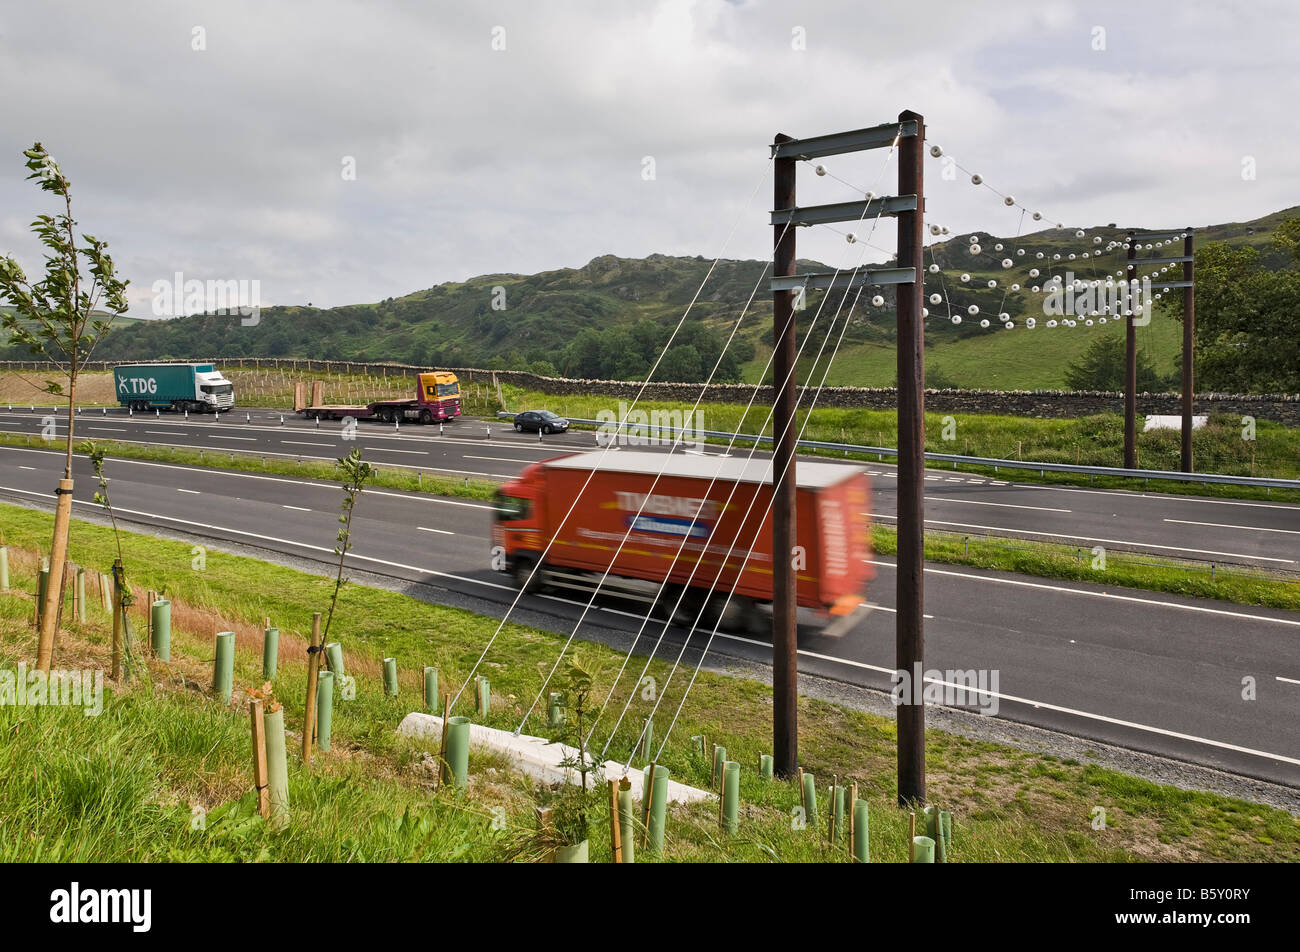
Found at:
<point>611,316</point>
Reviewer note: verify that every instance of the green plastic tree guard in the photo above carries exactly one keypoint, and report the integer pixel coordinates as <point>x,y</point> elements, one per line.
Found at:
<point>861,832</point>
<point>161,621</point>
<point>577,853</point>
<point>390,677</point>
<point>765,766</point>
<point>458,749</point>
<point>431,689</point>
<point>334,658</point>
<point>719,758</point>
<point>4,568</point>
<point>324,708</point>
<point>810,799</point>
<point>223,672</point>
<point>81,594</point>
<point>277,769</point>
<point>837,806</point>
<point>484,697</point>
<point>270,653</point>
<point>922,849</point>
<point>627,823</point>
<point>648,740</point>
<point>658,804</point>
<point>555,710</point>
<point>945,835</point>
<point>730,796</point>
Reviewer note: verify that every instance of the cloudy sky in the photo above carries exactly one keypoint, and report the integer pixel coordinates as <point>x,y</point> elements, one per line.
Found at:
<point>216,138</point>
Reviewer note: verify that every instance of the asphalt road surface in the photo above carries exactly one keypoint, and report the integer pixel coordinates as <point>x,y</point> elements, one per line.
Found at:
<point>1188,527</point>
<point>1143,670</point>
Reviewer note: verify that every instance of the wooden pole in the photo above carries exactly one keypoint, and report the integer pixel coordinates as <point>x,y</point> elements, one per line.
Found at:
<point>313,671</point>
<point>1189,345</point>
<point>645,807</point>
<point>615,833</point>
<point>259,756</point>
<point>909,626</point>
<point>117,629</point>
<point>785,658</point>
<point>853,800</point>
<point>1130,361</point>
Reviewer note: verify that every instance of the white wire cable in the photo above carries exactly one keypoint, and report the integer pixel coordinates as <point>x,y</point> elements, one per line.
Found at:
<point>712,481</point>
<point>645,500</point>
<point>723,563</point>
<point>745,560</point>
<point>649,375</point>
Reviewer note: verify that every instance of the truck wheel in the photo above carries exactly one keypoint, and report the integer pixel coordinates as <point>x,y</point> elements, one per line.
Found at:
<point>386,414</point>
<point>426,417</point>
<point>521,571</point>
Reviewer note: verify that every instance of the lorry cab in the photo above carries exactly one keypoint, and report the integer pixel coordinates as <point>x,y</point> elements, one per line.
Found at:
<point>517,527</point>
<point>214,390</point>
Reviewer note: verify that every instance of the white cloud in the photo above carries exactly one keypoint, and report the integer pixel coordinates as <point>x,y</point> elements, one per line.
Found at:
<point>225,163</point>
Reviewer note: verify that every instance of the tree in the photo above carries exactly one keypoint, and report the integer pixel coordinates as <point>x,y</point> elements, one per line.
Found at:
<point>57,316</point>
<point>1102,368</point>
<point>1247,316</point>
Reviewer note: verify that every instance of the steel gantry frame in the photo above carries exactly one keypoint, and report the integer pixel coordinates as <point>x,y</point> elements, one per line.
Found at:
<point>908,208</point>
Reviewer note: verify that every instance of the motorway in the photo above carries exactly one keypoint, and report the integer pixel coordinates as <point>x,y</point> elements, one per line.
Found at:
<point>1198,528</point>
<point>1142,670</point>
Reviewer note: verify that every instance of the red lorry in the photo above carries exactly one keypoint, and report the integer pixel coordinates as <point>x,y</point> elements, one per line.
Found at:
<point>704,500</point>
<point>437,400</point>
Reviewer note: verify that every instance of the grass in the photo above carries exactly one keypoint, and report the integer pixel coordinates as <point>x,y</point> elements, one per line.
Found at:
<point>123,786</point>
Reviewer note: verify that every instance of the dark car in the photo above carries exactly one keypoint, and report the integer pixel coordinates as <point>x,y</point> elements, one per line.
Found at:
<point>540,421</point>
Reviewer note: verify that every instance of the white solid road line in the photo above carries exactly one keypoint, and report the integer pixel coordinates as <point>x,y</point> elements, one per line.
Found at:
<point>1098,594</point>
<point>499,459</point>
<point>299,508</point>
<point>1220,525</point>
<point>1004,505</point>
<point>1062,535</point>
<point>1287,680</point>
<point>384,449</point>
<point>439,531</point>
<point>192,492</point>
<point>32,468</point>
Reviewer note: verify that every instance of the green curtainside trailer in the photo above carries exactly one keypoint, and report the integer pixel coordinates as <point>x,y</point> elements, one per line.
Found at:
<point>193,387</point>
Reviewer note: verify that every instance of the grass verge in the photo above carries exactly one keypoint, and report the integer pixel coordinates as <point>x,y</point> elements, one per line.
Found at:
<point>123,785</point>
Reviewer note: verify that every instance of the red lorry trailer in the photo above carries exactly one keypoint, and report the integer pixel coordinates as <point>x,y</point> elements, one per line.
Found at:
<point>437,400</point>
<point>692,500</point>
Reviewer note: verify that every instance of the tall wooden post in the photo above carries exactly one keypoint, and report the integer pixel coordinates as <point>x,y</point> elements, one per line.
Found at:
<point>1189,344</point>
<point>48,611</point>
<point>1130,360</point>
<point>785,663</point>
<point>909,633</point>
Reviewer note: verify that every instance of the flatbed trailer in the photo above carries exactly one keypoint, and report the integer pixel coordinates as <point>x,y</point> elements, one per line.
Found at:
<point>437,400</point>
